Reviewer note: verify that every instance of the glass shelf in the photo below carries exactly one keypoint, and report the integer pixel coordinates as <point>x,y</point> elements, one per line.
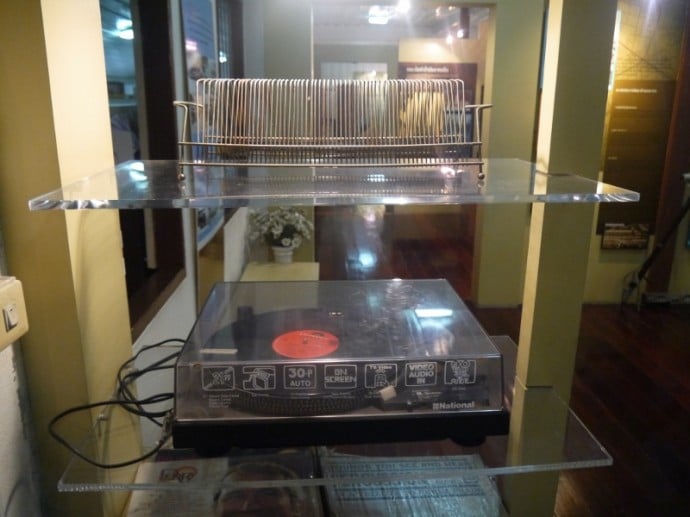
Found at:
<point>354,464</point>
<point>156,184</point>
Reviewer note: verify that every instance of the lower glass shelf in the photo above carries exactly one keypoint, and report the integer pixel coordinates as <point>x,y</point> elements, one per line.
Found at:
<point>347,467</point>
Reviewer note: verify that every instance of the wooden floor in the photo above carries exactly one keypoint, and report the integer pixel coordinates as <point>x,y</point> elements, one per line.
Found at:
<point>632,380</point>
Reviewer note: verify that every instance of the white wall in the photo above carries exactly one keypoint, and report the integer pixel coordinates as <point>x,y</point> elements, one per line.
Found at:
<point>19,488</point>
<point>174,320</point>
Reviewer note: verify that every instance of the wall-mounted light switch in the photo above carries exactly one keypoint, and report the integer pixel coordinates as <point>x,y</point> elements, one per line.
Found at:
<point>11,316</point>
<point>14,322</point>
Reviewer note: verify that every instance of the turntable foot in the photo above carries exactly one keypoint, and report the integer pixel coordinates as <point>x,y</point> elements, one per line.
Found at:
<point>468,440</point>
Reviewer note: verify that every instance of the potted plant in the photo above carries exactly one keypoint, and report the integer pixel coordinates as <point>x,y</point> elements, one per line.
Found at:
<point>282,228</point>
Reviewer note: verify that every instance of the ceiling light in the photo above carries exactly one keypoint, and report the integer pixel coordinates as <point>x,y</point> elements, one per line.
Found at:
<point>122,24</point>
<point>127,34</point>
<point>403,6</point>
<point>124,29</point>
<point>380,14</point>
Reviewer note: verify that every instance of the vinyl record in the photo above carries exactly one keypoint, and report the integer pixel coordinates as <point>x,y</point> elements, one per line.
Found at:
<point>305,344</point>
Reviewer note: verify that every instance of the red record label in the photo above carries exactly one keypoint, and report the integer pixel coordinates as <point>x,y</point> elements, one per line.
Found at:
<point>305,344</point>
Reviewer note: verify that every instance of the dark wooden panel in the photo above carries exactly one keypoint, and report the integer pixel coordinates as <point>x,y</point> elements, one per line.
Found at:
<point>636,142</point>
<point>677,163</point>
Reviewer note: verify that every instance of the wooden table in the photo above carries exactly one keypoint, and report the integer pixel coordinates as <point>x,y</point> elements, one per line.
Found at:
<point>274,272</point>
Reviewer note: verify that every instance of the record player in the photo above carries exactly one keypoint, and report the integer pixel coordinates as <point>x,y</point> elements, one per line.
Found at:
<point>332,362</point>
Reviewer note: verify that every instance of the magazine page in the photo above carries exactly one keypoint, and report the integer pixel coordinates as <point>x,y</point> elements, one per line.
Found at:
<point>234,485</point>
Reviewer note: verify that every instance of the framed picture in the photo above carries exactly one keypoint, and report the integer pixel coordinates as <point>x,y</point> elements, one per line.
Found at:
<point>622,236</point>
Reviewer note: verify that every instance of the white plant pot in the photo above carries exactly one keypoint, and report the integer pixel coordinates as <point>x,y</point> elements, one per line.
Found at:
<point>282,255</point>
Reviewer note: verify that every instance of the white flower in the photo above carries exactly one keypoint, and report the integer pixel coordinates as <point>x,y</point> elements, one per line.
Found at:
<point>280,226</point>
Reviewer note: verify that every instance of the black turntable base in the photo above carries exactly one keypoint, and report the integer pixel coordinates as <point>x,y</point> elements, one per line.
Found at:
<point>466,429</point>
<point>326,363</point>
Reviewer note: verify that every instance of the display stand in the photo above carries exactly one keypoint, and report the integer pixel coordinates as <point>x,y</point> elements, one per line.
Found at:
<point>155,184</point>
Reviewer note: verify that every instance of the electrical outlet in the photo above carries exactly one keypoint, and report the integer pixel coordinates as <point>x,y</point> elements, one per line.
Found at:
<point>14,322</point>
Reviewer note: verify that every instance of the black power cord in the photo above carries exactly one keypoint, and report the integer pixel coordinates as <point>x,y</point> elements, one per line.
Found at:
<point>125,399</point>
<point>124,380</point>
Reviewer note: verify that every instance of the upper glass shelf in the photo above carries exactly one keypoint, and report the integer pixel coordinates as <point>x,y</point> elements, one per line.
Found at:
<point>157,184</point>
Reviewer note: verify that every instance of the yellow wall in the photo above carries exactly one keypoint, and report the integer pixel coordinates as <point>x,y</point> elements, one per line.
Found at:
<point>607,270</point>
<point>428,50</point>
<point>54,128</point>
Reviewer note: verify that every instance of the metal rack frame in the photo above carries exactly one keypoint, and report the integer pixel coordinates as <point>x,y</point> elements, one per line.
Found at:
<point>331,123</point>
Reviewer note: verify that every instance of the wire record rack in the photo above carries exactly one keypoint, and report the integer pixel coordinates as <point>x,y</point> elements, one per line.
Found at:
<point>331,123</point>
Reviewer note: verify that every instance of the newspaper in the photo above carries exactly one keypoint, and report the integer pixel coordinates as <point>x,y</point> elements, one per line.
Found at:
<point>423,492</point>
<point>201,487</point>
